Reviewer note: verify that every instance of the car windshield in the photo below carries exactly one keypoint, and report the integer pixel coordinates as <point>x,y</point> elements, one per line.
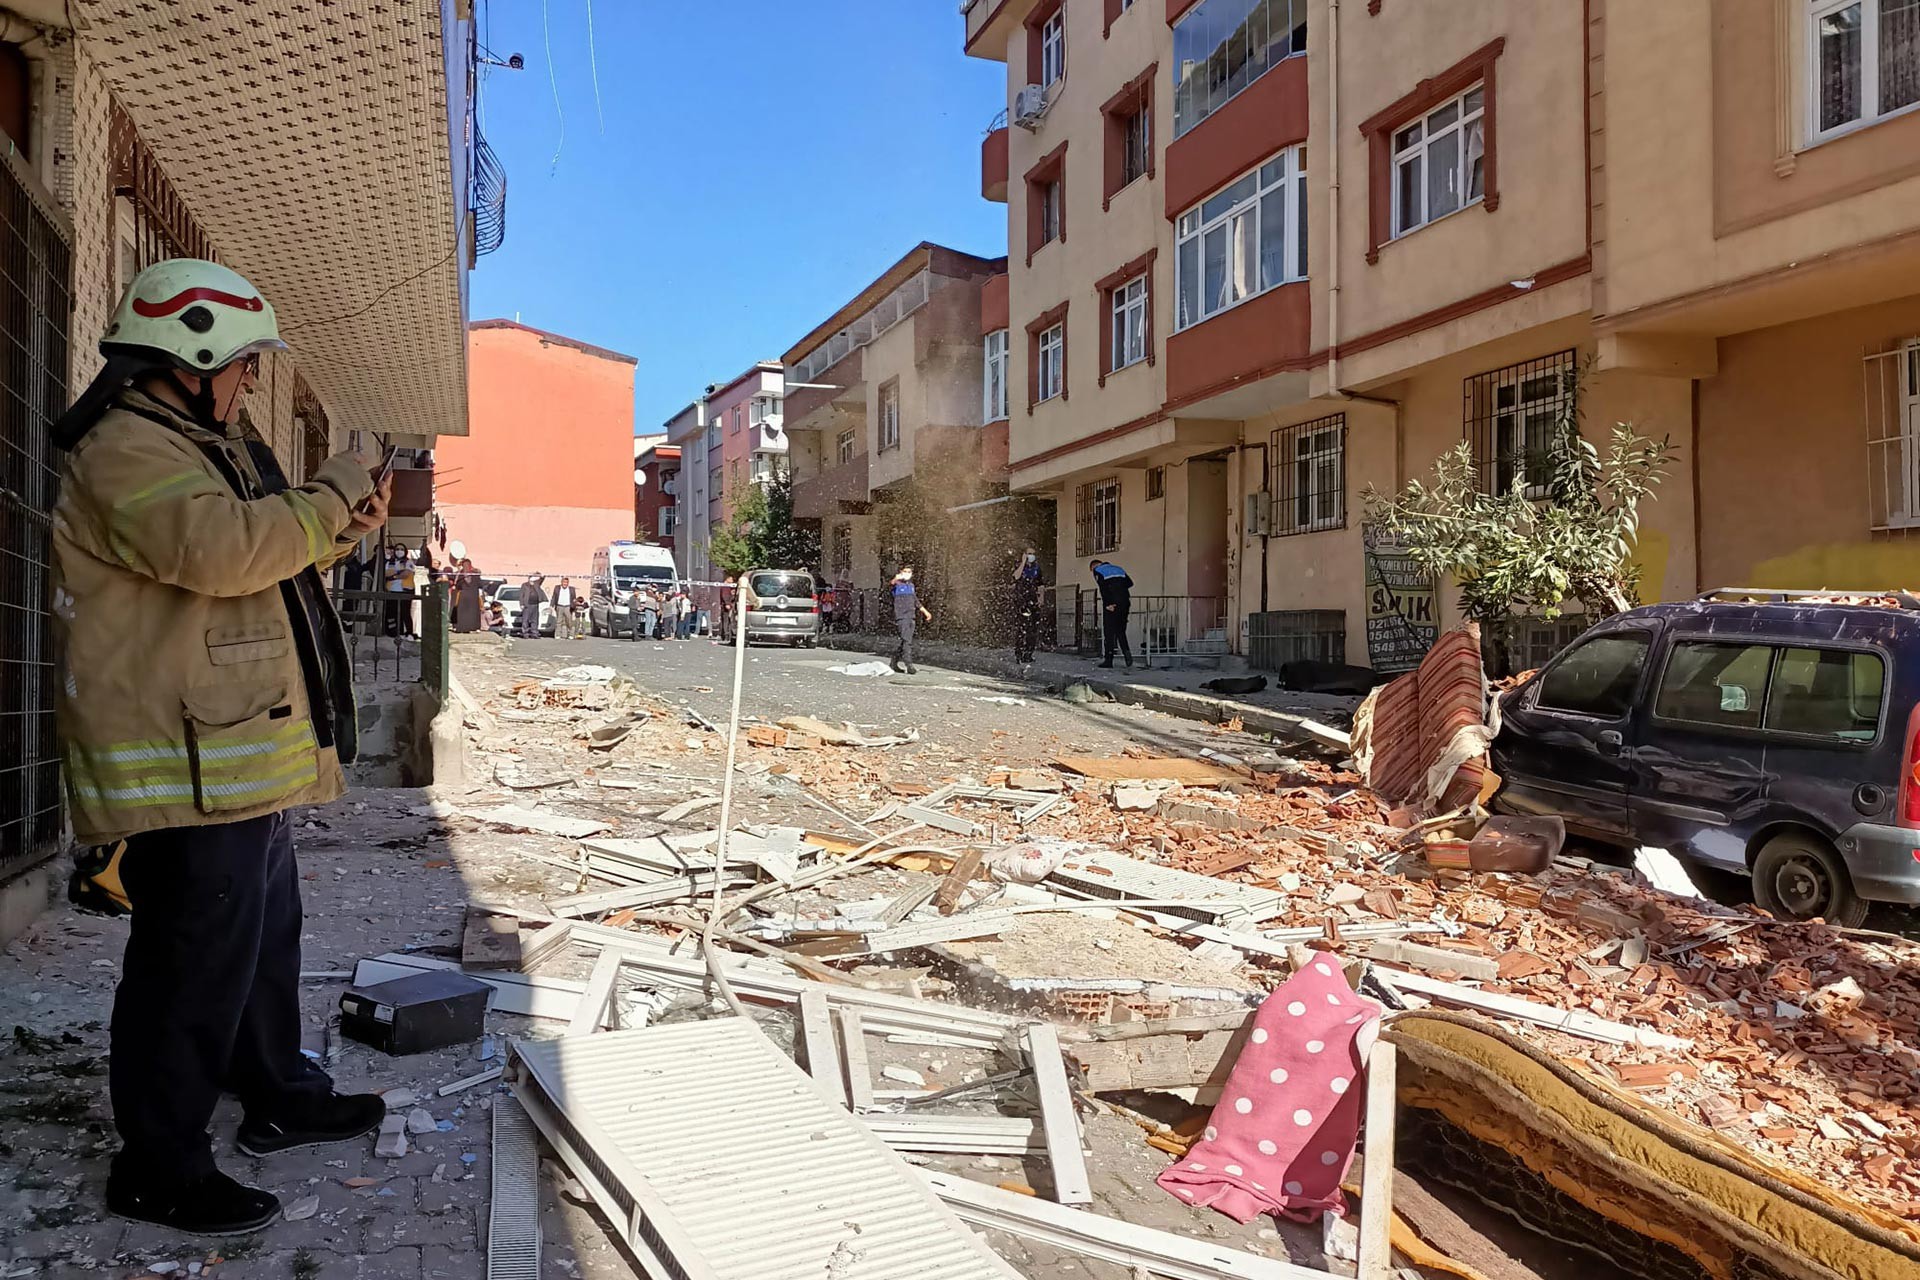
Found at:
<point>632,575</point>
<point>507,595</point>
<point>782,584</point>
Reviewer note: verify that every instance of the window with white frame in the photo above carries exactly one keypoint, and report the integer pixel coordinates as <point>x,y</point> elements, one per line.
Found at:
<point>1511,417</point>
<point>995,407</point>
<point>890,416</point>
<point>1051,370</point>
<point>1439,161</point>
<point>1130,323</point>
<point>764,407</point>
<point>669,521</point>
<point>1136,144</point>
<point>1247,239</point>
<point>843,447</point>
<point>1310,475</point>
<point>1053,48</point>
<point>1050,211</point>
<point>1865,61</point>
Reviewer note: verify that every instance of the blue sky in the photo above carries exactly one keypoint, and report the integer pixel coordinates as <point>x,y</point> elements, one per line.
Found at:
<point>761,161</point>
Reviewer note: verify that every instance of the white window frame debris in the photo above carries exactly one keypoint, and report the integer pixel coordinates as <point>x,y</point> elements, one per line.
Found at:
<point>1061,1122</point>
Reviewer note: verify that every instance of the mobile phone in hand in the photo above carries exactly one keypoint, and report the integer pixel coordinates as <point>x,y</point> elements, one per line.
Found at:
<point>380,474</point>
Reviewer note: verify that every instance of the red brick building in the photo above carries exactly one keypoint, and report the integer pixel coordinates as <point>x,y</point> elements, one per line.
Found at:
<point>656,495</point>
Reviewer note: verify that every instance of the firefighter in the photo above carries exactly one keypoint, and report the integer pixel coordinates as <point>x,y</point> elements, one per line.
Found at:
<point>207,691</point>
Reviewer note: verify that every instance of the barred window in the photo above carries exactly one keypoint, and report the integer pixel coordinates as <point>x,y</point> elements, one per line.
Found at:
<point>1097,517</point>
<point>1510,416</point>
<point>1309,475</point>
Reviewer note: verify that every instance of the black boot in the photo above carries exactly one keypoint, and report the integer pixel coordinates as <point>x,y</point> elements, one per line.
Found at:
<point>214,1205</point>
<point>1107,664</point>
<point>894,662</point>
<point>337,1117</point>
<point>912,670</point>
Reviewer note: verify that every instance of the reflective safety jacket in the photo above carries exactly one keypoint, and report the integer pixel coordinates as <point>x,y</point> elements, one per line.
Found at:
<point>204,677</point>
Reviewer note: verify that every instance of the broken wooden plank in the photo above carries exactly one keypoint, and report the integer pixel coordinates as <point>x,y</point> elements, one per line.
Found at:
<point>490,941</point>
<point>540,945</point>
<point>1129,769</point>
<point>596,1000</point>
<point>1572,1021</point>
<point>1195,1025</point>
<point>1376,1184</point>
<point>685,808</point>
<point>1159,1062</point>
<point>947,895</point>
<point>853,1051</point>
<point>1417,955</point>
<point>938,820</point>
<point>816,1035</point>
<point>1062,1122</point>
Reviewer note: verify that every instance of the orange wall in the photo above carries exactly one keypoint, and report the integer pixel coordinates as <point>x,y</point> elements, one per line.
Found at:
<point>549,462</point>
<point>552,425</point>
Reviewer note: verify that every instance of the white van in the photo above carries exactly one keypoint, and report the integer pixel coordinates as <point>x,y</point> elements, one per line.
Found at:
<point>618,568</point>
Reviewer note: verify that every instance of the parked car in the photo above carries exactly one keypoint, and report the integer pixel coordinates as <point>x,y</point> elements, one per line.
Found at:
<point>1773,735</point>
<point>509,598</point>
<point>785,609</point>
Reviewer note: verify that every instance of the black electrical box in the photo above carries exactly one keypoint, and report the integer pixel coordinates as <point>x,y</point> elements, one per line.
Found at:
<point>415,1014</point>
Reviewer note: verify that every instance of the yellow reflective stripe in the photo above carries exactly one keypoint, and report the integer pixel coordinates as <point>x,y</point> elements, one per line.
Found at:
<point>156,749</point>
<point>318,539</point>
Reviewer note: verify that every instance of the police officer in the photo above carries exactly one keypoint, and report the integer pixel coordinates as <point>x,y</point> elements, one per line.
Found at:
<point>207,691</point>
<point>907,614</point>
<point>1026,606</point>
<point>1116,602</point>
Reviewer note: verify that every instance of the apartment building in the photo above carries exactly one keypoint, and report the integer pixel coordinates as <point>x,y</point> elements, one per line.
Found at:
<point>1384,228</point>
<point>124,146</point>
<point>898,407</point>
<point>544,478</point>
<point>656,496</point>
<point>687,431</point>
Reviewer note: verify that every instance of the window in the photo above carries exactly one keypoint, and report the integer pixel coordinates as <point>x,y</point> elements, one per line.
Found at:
<point>1865,57</point>
<point>1309,482</point>
<point>763,408</point>
<point>735,430</point>
<point>995,408</point>
<point>733,474</point>
<point>1829,693</point>
<point>1722,685</point>
<point>1130,323</point>
<point>1238,243</point>
<point>842,551</point>
<point>1156,483</point>
<point>1136,144</point>
<point>1051,371</point>
<point>1053,48</point>
<point>1050,211</point>
<point>713,435</point>
<point>844,447</point>
<point>1097,508</point>
<point>890,415</point>
<point>1597,678</point>
<point>669,520</point>
<point>1222,46</point>
<point>1439,162</point>
<point>1511,416</point>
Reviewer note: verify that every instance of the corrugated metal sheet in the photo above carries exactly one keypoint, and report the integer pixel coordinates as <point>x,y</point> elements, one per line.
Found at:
<point>1100,874</point>
<point>513,1218</point>
<point>725,1161</point>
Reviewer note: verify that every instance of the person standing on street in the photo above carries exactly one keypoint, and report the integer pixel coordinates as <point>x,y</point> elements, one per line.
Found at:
<point>532,596</point>
<point>636,602</point>
<point>1026,606</point>
<point>563,598</point>
<point>467,605</point>
<point>907,615</point>
<point>207,691</point>
<point>1116,602</point>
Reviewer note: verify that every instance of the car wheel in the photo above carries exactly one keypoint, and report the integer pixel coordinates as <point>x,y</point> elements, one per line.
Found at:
<point>1798,877</point>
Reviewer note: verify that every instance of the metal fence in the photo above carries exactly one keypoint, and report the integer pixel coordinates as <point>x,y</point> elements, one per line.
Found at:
<point>1281,636</point>
<point>35,304</point>
<point>384,629</point>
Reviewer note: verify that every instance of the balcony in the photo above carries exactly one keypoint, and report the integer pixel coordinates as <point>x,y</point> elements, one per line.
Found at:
<point>412,491</point>
<point>993,161</point>
<point>802,409</point>
<point>833,491</point>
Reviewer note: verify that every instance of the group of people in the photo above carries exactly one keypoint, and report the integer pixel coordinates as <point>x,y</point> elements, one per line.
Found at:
<point>1116,604</point>
<point>661,613</point>
<point>655,612</point>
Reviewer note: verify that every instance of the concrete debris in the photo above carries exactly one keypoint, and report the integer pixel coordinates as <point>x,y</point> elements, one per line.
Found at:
<point>846,735</point>
<point>586,674</point>
<point>864,669</point>
<point>302,1209</point>
<point>550,824</point>
<point>904,1075</point>
<point>392,1142</point>
<point>419,1121</point>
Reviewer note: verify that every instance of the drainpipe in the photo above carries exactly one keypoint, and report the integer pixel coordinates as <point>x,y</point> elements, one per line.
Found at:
<point>1333,195</point>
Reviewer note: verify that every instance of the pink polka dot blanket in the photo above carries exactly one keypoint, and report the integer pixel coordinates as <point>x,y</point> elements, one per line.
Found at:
<point>1282,1135</point>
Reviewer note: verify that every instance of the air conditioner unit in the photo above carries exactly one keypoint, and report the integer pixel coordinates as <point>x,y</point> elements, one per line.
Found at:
<point>1029,105</point>
<point>1259,515</point>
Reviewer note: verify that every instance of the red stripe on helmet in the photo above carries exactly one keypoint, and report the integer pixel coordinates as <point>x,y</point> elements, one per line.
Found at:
<point>153,310</point>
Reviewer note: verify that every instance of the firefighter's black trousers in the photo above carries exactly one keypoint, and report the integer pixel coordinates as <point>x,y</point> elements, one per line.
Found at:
<point>209,993</point>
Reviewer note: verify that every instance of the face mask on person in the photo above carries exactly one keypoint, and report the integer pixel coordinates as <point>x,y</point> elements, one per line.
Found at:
<point>906,575</point>
<point>1031,557</point>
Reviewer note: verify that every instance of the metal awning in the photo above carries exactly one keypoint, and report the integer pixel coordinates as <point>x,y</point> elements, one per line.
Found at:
<point>313,141</point>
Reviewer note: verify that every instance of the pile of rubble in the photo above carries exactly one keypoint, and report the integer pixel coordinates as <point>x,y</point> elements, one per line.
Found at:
<point>1103,933</point>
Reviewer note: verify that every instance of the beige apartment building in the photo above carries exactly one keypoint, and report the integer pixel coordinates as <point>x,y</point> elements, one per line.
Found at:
<point>897,408</point>
<point>1304,246</point>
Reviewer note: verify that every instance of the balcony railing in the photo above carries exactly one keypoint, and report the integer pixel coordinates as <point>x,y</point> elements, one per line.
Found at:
<point>877,319</point>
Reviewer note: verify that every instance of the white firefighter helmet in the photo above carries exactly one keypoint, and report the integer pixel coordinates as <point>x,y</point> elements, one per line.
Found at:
<point>197,315</point>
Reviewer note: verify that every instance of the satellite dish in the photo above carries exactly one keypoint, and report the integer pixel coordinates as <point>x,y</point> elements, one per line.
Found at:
<point>639,476</point>
<point>457,549</point>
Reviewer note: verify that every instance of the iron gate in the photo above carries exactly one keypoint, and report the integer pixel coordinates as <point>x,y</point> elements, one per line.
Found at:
<point>35,304</point>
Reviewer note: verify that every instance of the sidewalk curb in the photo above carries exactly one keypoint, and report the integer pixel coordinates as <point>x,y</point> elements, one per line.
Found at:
<point>1173,702</point>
